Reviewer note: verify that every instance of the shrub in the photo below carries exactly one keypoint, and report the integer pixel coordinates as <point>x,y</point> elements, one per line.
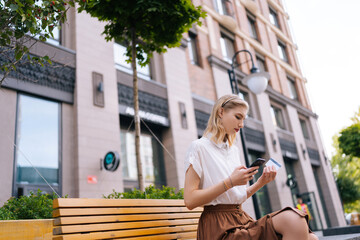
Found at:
<point>35,206</point>
<point>150,193</point>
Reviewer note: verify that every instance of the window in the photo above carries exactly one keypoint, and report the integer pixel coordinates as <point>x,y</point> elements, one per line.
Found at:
<point>274,17</point>
<point>193,50</point>
<point>277,117</point>
<point>291,172</point>
<point>292,88</point>
<point>252,26</point>
<point>55,40</point>
<point>245,96</point>
<point>304,129</point>
<point>263,199</point>
<point>282,51</point>
<point>151,157</point>
<point>38,140</point>
<point>121,64</point>
<point>227,47</point>
<point>260,60</point>
<point>224,7</point>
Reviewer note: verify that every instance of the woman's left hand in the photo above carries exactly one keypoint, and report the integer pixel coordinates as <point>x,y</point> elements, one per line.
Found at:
<point>268,175</point>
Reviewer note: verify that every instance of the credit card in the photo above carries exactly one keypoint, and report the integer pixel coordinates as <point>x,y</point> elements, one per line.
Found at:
<point>272,162</point>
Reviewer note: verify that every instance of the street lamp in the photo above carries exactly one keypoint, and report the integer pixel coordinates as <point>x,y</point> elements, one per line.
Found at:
<point>257,82</point>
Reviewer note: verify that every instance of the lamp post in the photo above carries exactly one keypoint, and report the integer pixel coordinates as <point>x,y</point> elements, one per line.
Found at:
<point>257,82</point>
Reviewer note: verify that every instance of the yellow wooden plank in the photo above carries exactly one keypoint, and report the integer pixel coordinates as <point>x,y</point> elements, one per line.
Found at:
<point>121,210</point>
<point>185,235</point>
<point>122,218</point>
<point>121,226</point>
<point>127,233</point>
<point>100,202</point>
<point>26,229</point>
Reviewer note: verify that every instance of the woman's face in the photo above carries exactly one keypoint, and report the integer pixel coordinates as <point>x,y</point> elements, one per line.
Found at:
<point>233,119</point>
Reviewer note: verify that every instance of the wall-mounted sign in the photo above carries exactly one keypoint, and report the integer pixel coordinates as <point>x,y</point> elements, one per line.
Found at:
<point>129,111</point>
<point>92,179</point>
<point>111,161</point>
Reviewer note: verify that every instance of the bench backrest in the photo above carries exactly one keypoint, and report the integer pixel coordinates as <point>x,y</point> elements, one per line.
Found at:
<point>80,218</point>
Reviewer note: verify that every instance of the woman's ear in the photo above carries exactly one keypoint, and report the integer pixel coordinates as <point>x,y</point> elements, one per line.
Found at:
<point>221,112</point>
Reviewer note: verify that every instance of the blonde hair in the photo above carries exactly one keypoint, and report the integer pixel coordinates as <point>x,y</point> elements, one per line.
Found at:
<point>214,126</point>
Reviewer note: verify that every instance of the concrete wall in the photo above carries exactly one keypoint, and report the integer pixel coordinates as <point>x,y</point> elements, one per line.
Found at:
<point>327,183</point>
<point>305,176</point>
<point>68,167</point>
<point>8,100</point>
<point>177,139</point>
<point>97,128</point>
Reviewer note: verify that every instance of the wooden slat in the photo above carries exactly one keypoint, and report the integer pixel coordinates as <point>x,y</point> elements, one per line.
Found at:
<point>122,218</point>
<point>97,202</point>
<point>120,226</point>
<point>122,210</point>
<point>185,235</point>
<point>126,233</point>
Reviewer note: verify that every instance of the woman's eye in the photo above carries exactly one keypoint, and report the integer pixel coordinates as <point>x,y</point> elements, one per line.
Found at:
<point>237,117</point>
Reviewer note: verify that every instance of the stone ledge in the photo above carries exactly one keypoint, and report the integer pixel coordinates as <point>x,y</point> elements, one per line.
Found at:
<point>341,230</point>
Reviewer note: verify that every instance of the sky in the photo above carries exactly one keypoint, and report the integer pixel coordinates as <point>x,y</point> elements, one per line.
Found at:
<point>327,33</point>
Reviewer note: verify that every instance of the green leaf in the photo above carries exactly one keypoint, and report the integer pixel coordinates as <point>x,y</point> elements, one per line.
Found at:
<point>14,7</point>
<point>18,55</point>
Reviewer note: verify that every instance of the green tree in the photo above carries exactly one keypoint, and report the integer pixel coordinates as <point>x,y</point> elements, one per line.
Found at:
<point>22,24</point>
<point>145,26</point>
<point>349,140</point>
<point>346,170</point>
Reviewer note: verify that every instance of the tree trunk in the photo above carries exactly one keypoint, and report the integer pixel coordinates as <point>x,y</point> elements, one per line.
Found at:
<point>136,114</point>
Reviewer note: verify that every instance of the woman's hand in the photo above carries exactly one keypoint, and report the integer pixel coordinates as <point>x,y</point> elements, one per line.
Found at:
<point>268,175</point>
<point>241,175</point>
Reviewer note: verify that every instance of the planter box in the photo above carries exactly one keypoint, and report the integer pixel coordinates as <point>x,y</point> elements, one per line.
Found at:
<point>26,229</point>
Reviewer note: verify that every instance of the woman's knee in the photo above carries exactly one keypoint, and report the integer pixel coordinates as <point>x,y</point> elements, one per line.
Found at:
<point>312,236</point>
<point>289,221</point>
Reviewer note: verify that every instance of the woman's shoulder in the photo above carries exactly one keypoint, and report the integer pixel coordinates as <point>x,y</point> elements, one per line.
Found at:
<point>200,143</point>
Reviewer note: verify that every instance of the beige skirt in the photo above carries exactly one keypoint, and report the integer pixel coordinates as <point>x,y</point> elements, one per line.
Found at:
<point>225,221</point>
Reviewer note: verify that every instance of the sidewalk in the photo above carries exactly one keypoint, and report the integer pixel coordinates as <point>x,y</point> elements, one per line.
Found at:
<point>355,236</point>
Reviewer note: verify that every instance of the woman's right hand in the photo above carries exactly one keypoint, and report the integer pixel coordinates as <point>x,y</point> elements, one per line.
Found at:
<point>241,175</point>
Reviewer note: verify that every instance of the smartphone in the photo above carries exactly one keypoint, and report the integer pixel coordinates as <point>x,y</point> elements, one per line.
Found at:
<point>258,162</point>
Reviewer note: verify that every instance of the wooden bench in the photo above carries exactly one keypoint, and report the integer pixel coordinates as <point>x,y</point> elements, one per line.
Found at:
<point>79,218</point>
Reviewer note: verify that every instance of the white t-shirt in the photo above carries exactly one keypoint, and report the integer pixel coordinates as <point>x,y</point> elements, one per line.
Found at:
<point>213,163</point>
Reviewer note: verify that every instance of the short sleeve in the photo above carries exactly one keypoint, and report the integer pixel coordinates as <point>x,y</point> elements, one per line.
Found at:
<point>193,158</point>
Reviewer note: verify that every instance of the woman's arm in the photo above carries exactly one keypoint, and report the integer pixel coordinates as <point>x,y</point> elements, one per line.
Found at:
<point>195,197</point>
<point>268,175</point>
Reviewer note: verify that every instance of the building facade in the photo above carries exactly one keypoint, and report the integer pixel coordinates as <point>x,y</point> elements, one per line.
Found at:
<point>63,119</point>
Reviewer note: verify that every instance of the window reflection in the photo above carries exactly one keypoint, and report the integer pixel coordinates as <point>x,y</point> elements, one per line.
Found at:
<point>151,157</point>
<point>37,137</point>
<point>120,61</point>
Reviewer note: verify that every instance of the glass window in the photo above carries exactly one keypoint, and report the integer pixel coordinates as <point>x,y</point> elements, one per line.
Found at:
<point>290,172</point>
<point>245,96</point>
<point>252,27</point>
<point>304,129</point>
<point>282,51</point>
<point>37,138</point>
<point>277,117</point>
<point>224,7</point>
<point>151,157</point>
<point>263,199</point>
<point>55,40</point>
<point>227,48</point>
<point>193,51</point>
<point>261,63</point>
<point>121,64</point>
<point>274,18</point>
<point>292,88</point>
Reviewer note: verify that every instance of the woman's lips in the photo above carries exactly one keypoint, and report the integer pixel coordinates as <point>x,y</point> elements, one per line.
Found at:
<point>236,129</point>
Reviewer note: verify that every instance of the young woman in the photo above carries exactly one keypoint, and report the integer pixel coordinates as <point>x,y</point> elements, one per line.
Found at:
<point>214,178</point>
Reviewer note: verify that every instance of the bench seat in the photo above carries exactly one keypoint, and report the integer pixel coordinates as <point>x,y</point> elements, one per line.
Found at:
<point>81,218</point>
